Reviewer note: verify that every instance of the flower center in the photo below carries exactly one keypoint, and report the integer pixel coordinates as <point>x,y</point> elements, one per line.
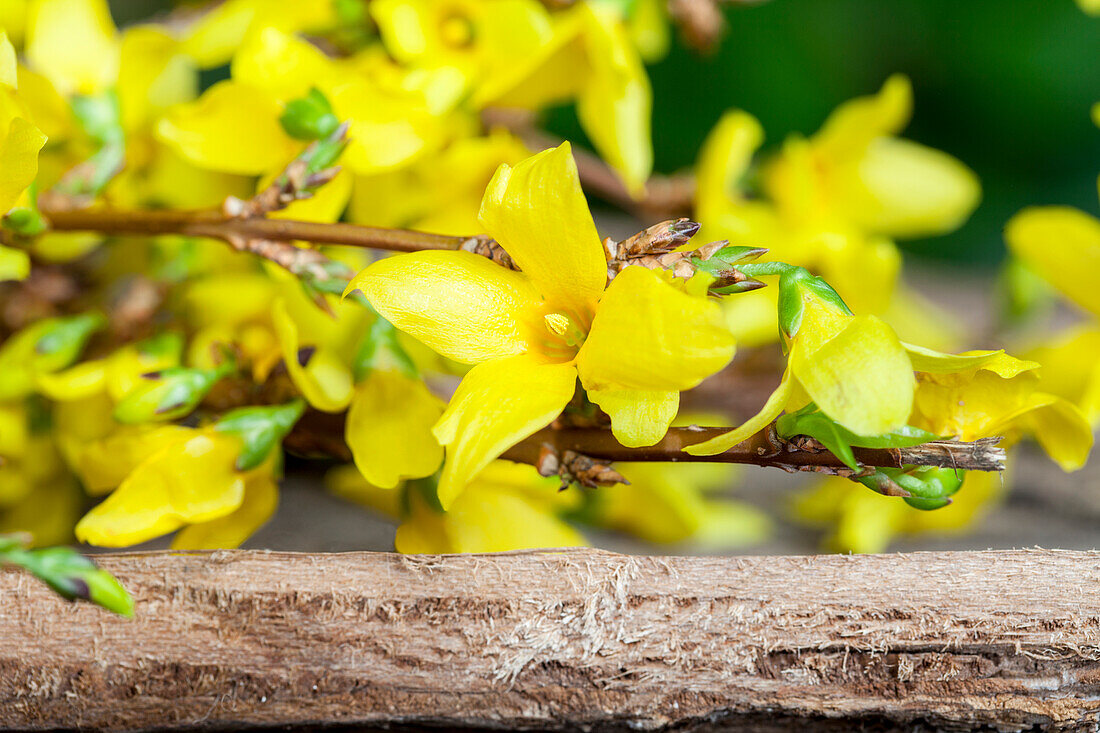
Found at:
<point>564,336</point>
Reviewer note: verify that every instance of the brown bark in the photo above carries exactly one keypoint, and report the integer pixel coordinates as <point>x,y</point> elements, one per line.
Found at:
<point>562,639</point>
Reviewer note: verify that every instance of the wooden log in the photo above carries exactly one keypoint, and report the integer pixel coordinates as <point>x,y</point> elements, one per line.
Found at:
<point>563,639</point>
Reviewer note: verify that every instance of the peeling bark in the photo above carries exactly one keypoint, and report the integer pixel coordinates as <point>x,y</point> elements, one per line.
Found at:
<point>563,639</point>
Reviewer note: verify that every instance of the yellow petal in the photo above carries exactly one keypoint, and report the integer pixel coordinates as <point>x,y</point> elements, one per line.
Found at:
<point>723,160</point>
<point>191,482</point>
<point>537,212</point>
<point>615,104</point>
<point>861,377</point>
<point>261,498</point>
<point>232,128</point>
<point>771,409</point>
<point>459,304</point>
<point>638,417</point>
<point>659,505</point>
<point>1062,244</point>
<point>324,379</point>
<point>73,43</point>
<point>498,404</point>
<point>18,160</point>
<point>153,75</point>
<point>9,74</point>
<point>1058,425</point>
<point>282,65</point>
<point>75,383</point>
<point>857,122</point>
<point>648,335</point>
<point>15,264</point>
<point>389,429</point>
<point>903,189</point>
<point>103,463</point>
<point>492,521</point>
<point>484,519</point>
<point>936,362</point>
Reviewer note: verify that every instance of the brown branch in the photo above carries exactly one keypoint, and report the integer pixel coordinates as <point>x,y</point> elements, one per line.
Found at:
<point>567,639</point>
<point>217,225</point>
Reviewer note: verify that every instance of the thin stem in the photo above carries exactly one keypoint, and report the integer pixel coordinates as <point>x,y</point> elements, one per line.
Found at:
<point>213,223</point>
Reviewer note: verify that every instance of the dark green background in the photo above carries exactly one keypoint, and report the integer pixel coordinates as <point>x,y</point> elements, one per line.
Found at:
<point>1004,85</point>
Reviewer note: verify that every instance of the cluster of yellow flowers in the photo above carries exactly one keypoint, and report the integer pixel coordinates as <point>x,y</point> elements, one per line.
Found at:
<point>178,419</point>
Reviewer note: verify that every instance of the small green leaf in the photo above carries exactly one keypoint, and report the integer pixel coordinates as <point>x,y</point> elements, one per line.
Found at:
<point>309,117</point>
<point>929,486</point>
<point>70,574</point>
<point>793,284</point>
<point>169,394</point>
<point>61,342</point>
<point>260,429</point>
<point>380,349</point>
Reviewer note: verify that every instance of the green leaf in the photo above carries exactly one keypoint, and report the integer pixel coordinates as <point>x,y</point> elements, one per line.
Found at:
<point>813,423</point>
<point>100,118</point>
<point>260,429</point>
<point>70,574</point>
<point>169,394</point>
<point>380,349</point>
<point>61,342</point>
<point>794,282</point>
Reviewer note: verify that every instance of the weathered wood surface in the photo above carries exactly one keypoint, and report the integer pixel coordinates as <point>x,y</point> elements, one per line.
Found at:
<point>563,639</point>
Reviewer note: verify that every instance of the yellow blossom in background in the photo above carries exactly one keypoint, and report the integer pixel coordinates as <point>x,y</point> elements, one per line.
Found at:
<point>834,202</point>
<point>191,480</point>
<point>531,334</point>
<point>440,194</point>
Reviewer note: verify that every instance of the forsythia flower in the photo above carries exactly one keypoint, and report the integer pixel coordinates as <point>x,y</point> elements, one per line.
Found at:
<point>515,54</point>
<point>832,203</point>
<point>853,367</point>
<point>634,344</point>
<point>996,394</point>
<point>189,480</point>
<point>1062,245</point>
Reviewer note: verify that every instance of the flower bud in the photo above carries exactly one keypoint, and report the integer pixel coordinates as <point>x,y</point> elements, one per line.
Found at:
<point>309,117</point>
<point>260,429</point>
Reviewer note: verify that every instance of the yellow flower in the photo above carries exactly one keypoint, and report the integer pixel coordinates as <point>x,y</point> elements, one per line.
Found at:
<point>832,203</point>
<point>441,193</point>
<point>1062,245</point>
<point>479,37</point>
<point>73,43</point>
<point>853,367</point>
<point>20,142</point>
<point>218,33</point>
<point>532,333</point>
<point>234,126</point>
<point>670,502</point>
<point>999,395</point>
<point>508,507</point>
<point>1071,368</point>
<point>190,480</point>
<point>591,59</point>
<point>389,428</point>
